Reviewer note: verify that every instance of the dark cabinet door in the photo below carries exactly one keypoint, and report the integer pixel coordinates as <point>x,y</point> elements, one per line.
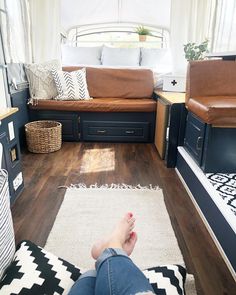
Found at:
<point>194,137</point>
<point>11,157</point>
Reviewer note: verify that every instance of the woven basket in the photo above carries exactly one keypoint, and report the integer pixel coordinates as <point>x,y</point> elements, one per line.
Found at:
<point>43,136</point>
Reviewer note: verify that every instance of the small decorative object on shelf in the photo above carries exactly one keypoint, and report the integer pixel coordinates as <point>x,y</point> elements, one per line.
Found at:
<point>175,83</point>
<point>195,51</point>
<point>142,32</point>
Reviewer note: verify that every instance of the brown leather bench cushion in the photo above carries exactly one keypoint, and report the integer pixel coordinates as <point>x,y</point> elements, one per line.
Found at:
<point>119,83</point>
<point>211,78</point>
<point>99,105</point>
<point>215,110</point>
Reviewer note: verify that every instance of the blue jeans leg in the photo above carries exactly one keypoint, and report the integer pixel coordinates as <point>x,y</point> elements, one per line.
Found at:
<point>117,274</point>
<point>85,285</point>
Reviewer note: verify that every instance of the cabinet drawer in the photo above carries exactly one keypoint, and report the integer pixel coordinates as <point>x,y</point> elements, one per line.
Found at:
<point>115,131</point>
<point>194,137</point>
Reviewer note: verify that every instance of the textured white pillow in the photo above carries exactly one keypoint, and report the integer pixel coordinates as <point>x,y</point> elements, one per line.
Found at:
<point>156,58</point>
<point>41,82</point>
<point>71,85</point>
<point>120,56</point>
<point>81,55</point>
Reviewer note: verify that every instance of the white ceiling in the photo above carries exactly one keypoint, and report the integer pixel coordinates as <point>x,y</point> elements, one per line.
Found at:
<point>154,13</point>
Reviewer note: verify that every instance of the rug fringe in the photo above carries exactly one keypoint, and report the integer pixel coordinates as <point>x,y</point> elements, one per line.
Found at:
<point>112,186</point>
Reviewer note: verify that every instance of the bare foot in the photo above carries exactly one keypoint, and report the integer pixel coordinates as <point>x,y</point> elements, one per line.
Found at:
<point>121,237</point>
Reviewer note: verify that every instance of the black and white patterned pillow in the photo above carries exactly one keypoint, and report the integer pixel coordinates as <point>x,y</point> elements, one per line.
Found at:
<point>71,85</point>
<point>167,279</point>
<point>7,237</point>
<point>35,271</point>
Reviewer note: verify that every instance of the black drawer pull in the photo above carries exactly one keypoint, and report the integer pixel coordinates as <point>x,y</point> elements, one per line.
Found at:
<point>129,131</point>
<point>199,143</point>
<point>101,131</point>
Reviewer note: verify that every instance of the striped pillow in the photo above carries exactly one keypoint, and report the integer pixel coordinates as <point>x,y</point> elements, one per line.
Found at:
<point>7,238</point>
<point>71,85</point>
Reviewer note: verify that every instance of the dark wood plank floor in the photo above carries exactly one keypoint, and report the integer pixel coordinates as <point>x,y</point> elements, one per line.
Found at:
<point>35,210</point>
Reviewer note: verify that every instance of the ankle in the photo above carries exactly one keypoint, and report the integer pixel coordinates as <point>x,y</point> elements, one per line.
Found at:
<point>114,244</point>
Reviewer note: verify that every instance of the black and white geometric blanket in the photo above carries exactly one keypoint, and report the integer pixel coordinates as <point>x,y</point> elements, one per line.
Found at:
<point>35,271</point>
<point>225,185</point>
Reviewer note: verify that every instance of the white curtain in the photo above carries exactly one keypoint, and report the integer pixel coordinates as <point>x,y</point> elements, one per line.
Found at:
<point>45,29</point>
<point>15,28</point>
<point>224,37</point>
<point>191,21</point>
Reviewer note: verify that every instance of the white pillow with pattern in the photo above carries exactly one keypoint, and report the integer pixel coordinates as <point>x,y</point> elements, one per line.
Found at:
<point>71,85</point>
<point>41,82</point>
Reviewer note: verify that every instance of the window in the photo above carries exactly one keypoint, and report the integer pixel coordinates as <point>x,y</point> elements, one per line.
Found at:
<point>225,26</point>
<point>117,36</point>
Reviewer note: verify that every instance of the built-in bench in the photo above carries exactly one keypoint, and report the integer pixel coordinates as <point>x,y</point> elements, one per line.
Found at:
<point>211,122</point>
<point>122,108</point>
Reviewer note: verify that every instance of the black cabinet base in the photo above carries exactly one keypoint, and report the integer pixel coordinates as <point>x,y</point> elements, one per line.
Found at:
<point>92,126</point>
<point>11,156</point>
<point>213,148</point>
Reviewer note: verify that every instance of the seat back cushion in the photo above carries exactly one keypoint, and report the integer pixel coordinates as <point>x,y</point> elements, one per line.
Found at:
<point>36,271</point>
<point>118,83</point>
<point>7,239</point>
<point>211,78</point>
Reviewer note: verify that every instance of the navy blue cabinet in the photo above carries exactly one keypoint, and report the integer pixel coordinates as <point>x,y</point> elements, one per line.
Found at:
<point>70,122</point>
<point>213,148</point>
<point>11,157</point>
<point>194,137</point>
<point>101,126</point>
<point>19,100</point>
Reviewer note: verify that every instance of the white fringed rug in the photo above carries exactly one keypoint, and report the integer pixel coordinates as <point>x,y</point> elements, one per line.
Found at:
<point>87,214</point>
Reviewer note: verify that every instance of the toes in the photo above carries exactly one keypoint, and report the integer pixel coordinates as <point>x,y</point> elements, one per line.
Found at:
<point>128,215</point>
<point>131,220</point>
<point>133,236</point>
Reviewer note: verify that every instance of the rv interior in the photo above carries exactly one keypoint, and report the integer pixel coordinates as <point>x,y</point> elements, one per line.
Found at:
<point>115,105</point>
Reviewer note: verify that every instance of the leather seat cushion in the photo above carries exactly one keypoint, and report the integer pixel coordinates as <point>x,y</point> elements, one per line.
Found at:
<point>119,83</point>
<point>98,105</point>
<point>215,110</point>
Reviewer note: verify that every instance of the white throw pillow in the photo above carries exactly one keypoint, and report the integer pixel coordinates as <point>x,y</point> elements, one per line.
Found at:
<point>71,85</point>
<point>81,55</point>
<point>41,82</point>
<point>156,58</point>
<point>120,56</point>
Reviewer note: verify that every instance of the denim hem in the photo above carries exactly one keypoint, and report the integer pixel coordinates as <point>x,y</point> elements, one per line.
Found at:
<point>90,273</point>
<point>107,253</point>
